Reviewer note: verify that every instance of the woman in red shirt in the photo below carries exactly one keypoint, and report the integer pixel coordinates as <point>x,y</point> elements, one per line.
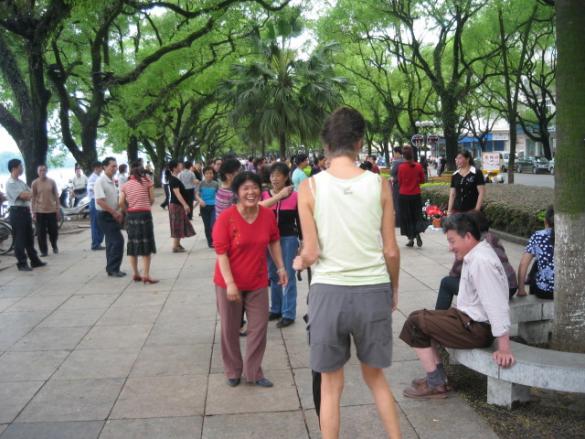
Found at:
<point>241,235</point>
<point>410,177</point>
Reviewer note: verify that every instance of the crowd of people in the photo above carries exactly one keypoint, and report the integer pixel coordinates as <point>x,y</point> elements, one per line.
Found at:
<point>267,220</point>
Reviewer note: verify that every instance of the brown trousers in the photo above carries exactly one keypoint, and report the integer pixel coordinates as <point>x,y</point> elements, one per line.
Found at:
<point>255,303</point>
<point>450,328</point>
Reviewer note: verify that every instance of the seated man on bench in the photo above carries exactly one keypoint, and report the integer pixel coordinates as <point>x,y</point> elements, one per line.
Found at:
<point>481,314</point>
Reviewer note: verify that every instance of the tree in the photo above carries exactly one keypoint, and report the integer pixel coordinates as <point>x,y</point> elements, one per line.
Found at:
<point>454,65</point>
<point>25,28</point>
<point>280,96</point>
<point>569,321</point>
<point>191,39</point>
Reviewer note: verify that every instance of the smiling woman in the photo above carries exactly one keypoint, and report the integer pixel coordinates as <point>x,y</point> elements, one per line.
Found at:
<point>241,236</point>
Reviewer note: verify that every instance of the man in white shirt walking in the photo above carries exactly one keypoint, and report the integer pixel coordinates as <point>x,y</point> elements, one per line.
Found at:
<point>481,314</point>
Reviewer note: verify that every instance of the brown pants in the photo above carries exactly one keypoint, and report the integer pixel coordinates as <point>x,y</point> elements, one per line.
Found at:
<point>256,305</point>
<point>450,328</point>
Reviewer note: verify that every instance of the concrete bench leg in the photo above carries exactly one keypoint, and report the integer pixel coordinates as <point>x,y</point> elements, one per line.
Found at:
<point>535,332</point>
<point>504,393</point>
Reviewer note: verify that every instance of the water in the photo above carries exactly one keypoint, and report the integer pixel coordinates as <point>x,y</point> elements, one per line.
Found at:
<point>62,176</point>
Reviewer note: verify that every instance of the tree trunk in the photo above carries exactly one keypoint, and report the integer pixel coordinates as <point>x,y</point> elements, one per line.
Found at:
<point>132,151</point>
<point>569,321</point>
<point>513,139</point>
<point>282,145</point>
<point>449,119</point>
<point>39,101</point>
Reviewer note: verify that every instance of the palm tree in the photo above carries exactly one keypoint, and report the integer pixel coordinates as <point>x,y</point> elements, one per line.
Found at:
<point>281,96</point>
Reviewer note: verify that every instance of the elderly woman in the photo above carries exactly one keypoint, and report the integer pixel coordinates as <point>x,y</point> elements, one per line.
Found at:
<point>136,198</point>
<point>241,235</point>
<point>348,233</point>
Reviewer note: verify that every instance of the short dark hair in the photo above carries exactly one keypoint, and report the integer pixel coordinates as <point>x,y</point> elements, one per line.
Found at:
<point>408,153</point>
<point>207,168</point>
<point>319,158</point>
<point>242,178</point>
<point>281,167</point>
<point>397,149</point>
<point>172,165</point>
<point>123,168</point>
<point>462,224</point>
<point>13,163</point>
<point>481,220</point>
<point>187,164</point>
<point>44,165</point>
<point>107,161</point>
<point>300,158</point>
<point>342,129</point>
<point>229,166</point>
<point>97,165</point>
<point>367,166</point>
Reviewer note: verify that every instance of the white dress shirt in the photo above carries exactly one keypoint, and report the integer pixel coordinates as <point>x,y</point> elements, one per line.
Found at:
<point>483,289</point>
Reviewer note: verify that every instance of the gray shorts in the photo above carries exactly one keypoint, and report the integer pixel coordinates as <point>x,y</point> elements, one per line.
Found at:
<point>336,312</point>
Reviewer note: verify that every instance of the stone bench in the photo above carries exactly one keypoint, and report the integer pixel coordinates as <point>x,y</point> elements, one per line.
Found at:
<point>531,318</point>
<point>534,367</point>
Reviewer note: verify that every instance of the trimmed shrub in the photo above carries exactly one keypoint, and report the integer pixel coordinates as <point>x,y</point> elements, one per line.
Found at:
<point>511,208</point>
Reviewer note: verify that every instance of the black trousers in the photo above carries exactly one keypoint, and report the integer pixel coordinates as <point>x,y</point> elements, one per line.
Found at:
<point>207,215</point>
<point>22,233</point>
<point>190,201</point>
<point>47,222</point>
<point>114,241</point>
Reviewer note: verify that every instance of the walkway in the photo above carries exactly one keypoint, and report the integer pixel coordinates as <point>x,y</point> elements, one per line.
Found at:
<point>84,356</point>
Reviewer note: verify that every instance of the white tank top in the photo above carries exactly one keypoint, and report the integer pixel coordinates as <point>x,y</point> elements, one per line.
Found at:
<point>348,214</point>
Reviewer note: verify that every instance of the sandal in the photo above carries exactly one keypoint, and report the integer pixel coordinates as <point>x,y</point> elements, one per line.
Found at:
<point>136,278</point>
<point>178,250</point>
<point>149,280</point>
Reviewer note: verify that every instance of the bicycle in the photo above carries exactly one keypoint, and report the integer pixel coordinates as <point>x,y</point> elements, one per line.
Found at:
<point>6,240</point>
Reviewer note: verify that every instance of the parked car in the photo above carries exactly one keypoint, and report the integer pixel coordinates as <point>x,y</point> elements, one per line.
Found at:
<point>551,166</point>
<point>505,159</point>
<point>533,165</point>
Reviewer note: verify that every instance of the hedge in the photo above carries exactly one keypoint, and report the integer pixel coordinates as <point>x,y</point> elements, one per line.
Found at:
<point>511,208</point>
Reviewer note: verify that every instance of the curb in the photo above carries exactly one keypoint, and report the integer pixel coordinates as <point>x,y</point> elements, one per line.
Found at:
<point>509,237</point>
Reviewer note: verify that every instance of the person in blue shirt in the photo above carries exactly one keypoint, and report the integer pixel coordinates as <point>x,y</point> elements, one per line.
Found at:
<point>541,248</point>
<point>205,195</point>
<point>302,161</point>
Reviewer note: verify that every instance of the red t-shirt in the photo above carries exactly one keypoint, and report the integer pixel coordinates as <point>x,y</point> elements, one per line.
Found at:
<point>245,245</point>
<point>410,177</point>
<point>137,194</point>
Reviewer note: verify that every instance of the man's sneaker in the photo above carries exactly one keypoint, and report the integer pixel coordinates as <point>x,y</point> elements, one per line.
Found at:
<point>38,264</point>
<point>99,247</point>
<point>44,254</point>
<point>56,250</point>
<point>284,323</point>
<point>425,392</point>
<point>274,316</point>
<point>116,274</point>
<point>417,382</point>
<point>24,268</point>
<point>418,241</point>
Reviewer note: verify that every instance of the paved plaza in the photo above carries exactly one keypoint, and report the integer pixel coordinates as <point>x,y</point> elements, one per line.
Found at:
<point>84,356</point>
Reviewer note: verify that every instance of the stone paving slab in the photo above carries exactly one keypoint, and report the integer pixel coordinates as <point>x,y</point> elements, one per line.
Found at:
<point>54,430</point>
<point>289,425</point>
<point>83,355</point>
<point>156,397</point>
<point>74,400</point>
<point>153,428</point>
<point>30,366</point>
